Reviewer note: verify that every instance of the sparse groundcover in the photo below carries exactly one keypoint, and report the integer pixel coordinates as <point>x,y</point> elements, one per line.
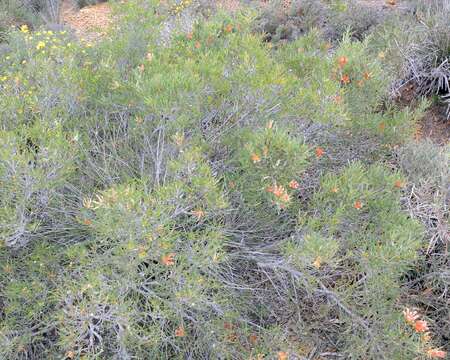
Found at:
<point>184,189</point>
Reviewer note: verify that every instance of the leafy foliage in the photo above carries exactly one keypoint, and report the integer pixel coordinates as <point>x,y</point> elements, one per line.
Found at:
<point>184,189</point>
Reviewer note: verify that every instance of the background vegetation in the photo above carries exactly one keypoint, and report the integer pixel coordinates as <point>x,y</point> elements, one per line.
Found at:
<point>207,184</point>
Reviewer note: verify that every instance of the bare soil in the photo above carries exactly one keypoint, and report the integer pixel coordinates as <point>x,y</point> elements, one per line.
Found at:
<point>89,22</point>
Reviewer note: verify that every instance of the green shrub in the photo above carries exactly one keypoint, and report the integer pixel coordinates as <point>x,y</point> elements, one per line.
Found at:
<point>182,189</point>
<point>358,227</point>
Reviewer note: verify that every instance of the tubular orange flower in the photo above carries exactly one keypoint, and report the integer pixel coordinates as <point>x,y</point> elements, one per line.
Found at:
<point>229,28</point>
<point>335,189</point>
<point>410,315</point>
<point>317,263</point>
<point>294,184</point>
<point>345,79</point>
<point>436,354</point>
<point>269,124</point>
<point>337,99</point>
<point>319,152</point>
<point>421,326</point>
<point>270,189</point>
<point>253,339</point>
<point>168,259</point>
<point>399,184</point>
<point>179,332</point>
<point>358,205</point>
<point>189,36</point>
<point>342,61</point>
<point>285,197</point>
<point>198,45</point>
<point>278,190</point>
<point>381,126</point>
<point>367,75</point>
<point>282,355</point>
<point>255,158</point>
<point>199,213</point>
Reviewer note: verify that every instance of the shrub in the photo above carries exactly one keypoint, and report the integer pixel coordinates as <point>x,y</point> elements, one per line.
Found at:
<point>357,226</point>
<point>418,48</point>
<point>185,190</point>
<point>333,18</point>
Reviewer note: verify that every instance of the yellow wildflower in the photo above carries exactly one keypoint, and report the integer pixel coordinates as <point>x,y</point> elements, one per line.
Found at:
<point>40,45</point>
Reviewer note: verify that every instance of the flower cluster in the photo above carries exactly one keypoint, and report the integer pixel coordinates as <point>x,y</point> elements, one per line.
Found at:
<point>179,7</point>
<point>420,326</point>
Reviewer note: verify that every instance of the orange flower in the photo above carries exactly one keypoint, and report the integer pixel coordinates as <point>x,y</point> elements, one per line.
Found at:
<point>421,326</point>
<point>436,354</point>
<point>149,56</point>
<point>357,205</point>
<point>342,61</point>
<point>70,354</point>
<point>381,126</point>
<point>141,68</point>
<point>367,75</point>
<point>399,184</point>
<point>87,222</point>
<point>179,332</point>
<point>391,2</point>
<point>198,45</point>
<point>345,79</point>
<point>337,99</point>
<point>168,259</point>
<point>278,191</point>
<point>199,213</point>
<point>282,355</point>
<point>232,337</point>
<point>410,315</point>
<point>294,184</point>
<point>319,152</point>
<point>285,197</point>
<point>189,36</point>
<point>255,158</point>
<point>270,189</point>
<point>253,339</point>
<point>269,124</point>
<point>229,28</point>
<point>317,263</point>
<point>335,189</point>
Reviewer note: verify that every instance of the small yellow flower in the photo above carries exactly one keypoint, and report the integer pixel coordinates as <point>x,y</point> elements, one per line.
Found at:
<point>24,28</point>
<point>40,45</point>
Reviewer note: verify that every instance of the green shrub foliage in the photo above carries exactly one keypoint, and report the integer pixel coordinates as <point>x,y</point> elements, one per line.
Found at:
<point>184,189</point>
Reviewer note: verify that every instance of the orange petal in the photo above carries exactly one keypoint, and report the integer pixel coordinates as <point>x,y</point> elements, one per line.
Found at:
<point>421,326</point>
<point>319,152</point>
<point>436,354</point>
